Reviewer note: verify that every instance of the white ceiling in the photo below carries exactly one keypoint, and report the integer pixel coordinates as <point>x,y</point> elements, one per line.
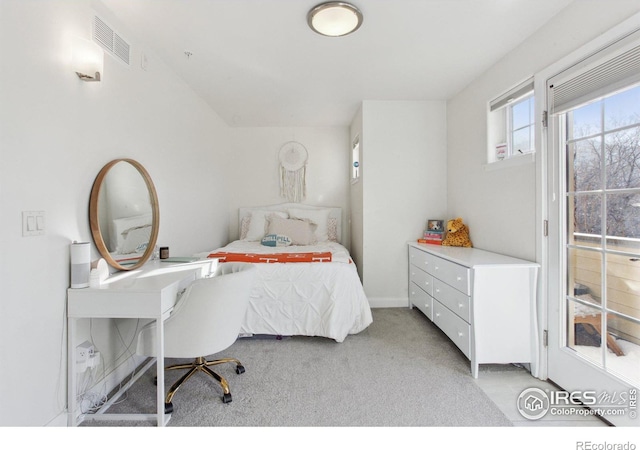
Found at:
<point>257,63</point>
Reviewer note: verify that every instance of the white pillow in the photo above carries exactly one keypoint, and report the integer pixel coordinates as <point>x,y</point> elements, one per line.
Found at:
<point>120,227</point>
<point>136,239</point>
<point>318,216</point>
<point>300,232</point>
<point>258,224</point>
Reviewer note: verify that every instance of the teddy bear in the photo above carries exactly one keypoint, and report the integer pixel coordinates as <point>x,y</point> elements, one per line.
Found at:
<point>457,234</point>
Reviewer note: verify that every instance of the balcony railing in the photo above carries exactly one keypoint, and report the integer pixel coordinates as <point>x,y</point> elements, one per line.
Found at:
<point>621,283</point>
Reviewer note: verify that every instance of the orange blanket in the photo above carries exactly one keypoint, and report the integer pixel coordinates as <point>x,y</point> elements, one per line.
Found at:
<point>272,257</point>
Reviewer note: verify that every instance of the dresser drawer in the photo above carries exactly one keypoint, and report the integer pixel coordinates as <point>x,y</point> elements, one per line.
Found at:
<point>453,299</point>
<point>451,273</point>
<point>422,279</point>
<point>422,260</point>
<point>453,326</point>
<point>421,300</point>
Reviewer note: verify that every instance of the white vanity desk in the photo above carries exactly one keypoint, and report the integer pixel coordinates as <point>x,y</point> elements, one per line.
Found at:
<point>147,293</point>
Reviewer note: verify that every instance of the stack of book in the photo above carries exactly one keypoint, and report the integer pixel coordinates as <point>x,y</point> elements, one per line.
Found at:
<point>432,237</point>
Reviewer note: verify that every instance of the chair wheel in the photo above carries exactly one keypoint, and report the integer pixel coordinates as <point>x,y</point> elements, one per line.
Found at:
<point>226,398</point>
<point>239,369</point>
<point>168,408</point>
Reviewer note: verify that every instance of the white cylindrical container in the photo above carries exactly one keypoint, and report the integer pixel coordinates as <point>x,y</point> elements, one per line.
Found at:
<point>80,264</point>
<point>94,278</point>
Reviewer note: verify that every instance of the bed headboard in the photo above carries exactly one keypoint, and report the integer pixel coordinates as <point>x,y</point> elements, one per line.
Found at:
<point>334,213</point>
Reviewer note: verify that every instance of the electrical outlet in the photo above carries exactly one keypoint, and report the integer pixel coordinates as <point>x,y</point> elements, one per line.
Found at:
<point>84,352</point>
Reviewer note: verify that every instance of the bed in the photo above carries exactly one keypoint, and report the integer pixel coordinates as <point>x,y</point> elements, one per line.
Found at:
<point>307,283</point>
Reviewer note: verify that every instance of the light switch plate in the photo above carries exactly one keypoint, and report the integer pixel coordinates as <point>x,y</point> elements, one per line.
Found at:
<point>33,223</point>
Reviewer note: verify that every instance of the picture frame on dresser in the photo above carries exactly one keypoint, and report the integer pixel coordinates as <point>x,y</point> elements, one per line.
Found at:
<point>435,225</point>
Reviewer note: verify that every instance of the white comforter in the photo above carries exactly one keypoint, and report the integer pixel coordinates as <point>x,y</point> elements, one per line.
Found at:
<point>309,299</point>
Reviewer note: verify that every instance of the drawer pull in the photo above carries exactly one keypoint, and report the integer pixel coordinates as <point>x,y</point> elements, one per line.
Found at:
<point>459,278</point>
<point>426,305</point>
<point>437,314</point>
<point>460,305</point>
<point>460,334</point>
<point>437,267</point>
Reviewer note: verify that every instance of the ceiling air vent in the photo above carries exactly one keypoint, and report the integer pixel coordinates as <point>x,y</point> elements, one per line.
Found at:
<point>111,41</point>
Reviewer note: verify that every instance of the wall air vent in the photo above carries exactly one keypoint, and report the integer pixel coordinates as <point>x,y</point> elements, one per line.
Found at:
<point>111,41</point>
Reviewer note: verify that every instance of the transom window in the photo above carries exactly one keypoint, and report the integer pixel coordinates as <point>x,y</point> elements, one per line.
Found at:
<point>520,126</point>
<point>511,123</point>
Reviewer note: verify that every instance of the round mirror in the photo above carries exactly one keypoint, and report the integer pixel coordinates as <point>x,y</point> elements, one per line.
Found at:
<point>124,214</point>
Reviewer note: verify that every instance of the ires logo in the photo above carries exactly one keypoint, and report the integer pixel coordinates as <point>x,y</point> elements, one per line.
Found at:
<point>535,403</point>
<point>586,398</point>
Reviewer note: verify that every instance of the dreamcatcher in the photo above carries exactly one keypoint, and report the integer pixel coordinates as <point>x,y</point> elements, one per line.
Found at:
<point>293,166</point>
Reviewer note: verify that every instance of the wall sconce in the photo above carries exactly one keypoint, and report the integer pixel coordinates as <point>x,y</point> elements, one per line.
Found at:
<point>87,59</point>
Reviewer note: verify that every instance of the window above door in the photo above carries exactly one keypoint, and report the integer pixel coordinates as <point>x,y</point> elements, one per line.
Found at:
<point>511,124</point>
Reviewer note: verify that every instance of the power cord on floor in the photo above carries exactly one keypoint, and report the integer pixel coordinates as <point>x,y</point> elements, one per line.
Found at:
<point>87,398</point>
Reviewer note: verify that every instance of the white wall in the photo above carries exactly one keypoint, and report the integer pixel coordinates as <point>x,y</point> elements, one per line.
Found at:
<point>403,154</point>
<point>253,161</point>
<point>356,205</point>
<point>56,132</point>
<point>500,205</point>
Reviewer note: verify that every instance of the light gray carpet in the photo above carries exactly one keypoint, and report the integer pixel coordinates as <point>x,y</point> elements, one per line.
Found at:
<point>401,371</point>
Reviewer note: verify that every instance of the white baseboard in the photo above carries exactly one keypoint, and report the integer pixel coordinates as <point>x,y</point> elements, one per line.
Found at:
<point>388,302</point>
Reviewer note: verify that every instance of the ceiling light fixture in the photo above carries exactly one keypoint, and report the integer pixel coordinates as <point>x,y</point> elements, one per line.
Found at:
<point>334,19</point>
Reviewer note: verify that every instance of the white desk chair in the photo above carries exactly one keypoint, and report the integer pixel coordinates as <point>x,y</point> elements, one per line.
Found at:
<point>206,320</point>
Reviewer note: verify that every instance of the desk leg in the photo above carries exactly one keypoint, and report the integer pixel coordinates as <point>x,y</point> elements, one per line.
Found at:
<point>160,370</point>
<point>474,369</point>
<point>71,373</point>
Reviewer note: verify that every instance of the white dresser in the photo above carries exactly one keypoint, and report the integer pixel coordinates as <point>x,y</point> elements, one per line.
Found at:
<point>484,302</point>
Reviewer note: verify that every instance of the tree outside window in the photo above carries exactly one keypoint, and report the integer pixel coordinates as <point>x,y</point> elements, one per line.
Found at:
<point>604,165</point>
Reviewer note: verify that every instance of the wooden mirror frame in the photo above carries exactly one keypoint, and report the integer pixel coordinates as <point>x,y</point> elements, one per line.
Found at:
<point>95,222</point>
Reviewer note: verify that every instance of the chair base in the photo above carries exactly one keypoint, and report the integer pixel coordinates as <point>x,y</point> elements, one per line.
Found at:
<point>200,364</point>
